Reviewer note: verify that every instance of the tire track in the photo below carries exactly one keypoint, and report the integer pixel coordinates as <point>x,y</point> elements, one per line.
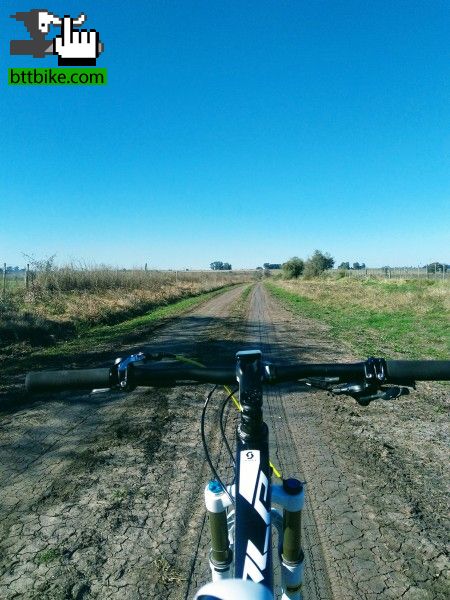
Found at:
<point>283,447</point>
<point>258,331</point>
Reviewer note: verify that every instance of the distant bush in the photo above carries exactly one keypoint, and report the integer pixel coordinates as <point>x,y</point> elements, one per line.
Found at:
<point>436,267</point>
<point>357,266</point>
<point>293,268</point>
<point>318,263</point>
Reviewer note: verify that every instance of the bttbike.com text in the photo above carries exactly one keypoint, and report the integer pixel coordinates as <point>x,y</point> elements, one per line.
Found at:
<point>62,76</point>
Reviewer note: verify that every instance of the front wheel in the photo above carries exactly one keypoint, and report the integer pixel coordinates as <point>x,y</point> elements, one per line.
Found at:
<point>231,589</point>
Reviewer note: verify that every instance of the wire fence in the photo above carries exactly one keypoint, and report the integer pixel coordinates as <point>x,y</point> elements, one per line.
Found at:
<point>66,279</point>
<point>434,272</point>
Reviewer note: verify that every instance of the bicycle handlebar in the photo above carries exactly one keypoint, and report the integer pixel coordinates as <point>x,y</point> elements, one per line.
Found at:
<point>397,371</point>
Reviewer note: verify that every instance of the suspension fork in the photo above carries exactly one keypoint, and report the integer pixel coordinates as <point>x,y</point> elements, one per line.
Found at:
<point>290,495</point>
<point>221,555</point>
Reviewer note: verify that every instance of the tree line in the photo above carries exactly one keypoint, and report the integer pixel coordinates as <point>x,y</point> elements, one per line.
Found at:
<point>218,265</point>
<point>13,270</point>
<point>356,266</point>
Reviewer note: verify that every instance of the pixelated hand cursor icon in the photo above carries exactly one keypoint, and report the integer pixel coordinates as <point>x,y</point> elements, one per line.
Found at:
<point>76,47</point>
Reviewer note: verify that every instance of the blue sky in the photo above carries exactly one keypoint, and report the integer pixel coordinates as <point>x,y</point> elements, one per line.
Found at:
<point>240,131</point>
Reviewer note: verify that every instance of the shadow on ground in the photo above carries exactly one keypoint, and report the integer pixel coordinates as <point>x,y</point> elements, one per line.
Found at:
<point>210,349</point>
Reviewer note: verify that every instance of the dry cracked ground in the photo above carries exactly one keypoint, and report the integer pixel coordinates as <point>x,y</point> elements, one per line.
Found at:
<point>101,493</point>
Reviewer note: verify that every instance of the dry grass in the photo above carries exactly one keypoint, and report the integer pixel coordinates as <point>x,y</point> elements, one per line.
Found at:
<point>60,302</point>
<point>102,305</point>
<point>417,296</point>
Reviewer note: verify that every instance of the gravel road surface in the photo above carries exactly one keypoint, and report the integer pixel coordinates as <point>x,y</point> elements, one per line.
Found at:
<point>101,493</point>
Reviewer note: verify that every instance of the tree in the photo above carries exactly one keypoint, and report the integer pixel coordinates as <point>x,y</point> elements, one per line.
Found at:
<point>318,263</point>
<point>272,266</point>
<point>344,265</point>
<point>435,267</point>
<point>293,268</point>
<point>218,265</point>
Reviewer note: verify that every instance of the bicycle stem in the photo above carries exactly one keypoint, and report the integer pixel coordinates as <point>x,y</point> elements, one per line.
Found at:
<point>249,373</point>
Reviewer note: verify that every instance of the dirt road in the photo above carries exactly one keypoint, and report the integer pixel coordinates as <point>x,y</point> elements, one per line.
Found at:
<point>101,494</point>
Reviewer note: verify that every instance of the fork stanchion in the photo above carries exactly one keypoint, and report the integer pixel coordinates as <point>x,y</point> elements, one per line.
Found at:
<point>221,556</point>
<point>291,496</point>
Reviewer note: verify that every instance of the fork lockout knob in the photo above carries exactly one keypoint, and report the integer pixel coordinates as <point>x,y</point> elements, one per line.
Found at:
<point>292,486</point>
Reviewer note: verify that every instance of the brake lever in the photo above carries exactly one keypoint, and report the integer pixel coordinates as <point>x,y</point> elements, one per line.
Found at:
<point>121,365</point>
<point>371,387</point>
<point>365,393</point>
<point>321,383</point>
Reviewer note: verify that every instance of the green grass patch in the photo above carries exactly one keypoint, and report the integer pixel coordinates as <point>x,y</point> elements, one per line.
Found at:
<point>47,556</point>
<point>406,318</point>
<point>246,293</point>
<point>240,307</point>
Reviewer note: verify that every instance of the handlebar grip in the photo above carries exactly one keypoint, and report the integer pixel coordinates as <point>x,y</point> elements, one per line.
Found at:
<point>80,379</point>
<point>417,370</point>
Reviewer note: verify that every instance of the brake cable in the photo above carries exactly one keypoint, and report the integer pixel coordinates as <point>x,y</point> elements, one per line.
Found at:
<point>124,384</point>
<point>231,394</point>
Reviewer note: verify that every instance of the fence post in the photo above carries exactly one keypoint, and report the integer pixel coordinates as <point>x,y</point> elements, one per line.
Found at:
<point>4,281</point>
<point>145,267</point>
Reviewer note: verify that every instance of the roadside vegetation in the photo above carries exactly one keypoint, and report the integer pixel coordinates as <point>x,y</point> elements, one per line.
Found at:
<point>101,337</point>
<point>401,318</point>
<point>61,304</point>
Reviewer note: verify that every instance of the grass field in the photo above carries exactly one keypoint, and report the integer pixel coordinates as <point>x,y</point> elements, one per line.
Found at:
<point>409,319</point>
